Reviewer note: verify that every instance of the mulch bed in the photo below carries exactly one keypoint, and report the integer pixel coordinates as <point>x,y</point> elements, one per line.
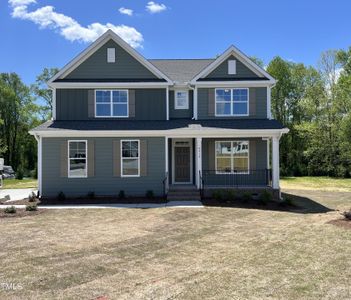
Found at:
<point>20,213</point>
<point>20,202</point>
<point>344,223</point>
<point>254,204</point>
<point>99,200</point>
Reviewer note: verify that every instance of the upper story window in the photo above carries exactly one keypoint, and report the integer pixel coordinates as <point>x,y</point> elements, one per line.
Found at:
<point>181,100</point>
<point>232,102</point>
<point>111,55</point>
<point>77,159</point>
<point>111,103</point>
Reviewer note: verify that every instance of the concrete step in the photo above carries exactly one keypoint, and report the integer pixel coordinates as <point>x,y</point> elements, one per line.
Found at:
<point>188,193</point>
<point>183,193</point>
<point>183,198</point>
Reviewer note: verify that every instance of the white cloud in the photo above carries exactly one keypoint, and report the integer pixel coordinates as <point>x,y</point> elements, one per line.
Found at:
<point>126,11</point>
<point>70,29</point>
<point>153,7</point>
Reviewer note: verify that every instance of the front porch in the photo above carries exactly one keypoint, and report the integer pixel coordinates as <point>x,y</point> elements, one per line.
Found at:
<point>209,163</point>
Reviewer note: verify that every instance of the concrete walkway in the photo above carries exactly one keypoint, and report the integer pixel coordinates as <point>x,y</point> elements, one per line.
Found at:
<point>176,204</point>
<point>15,194</point>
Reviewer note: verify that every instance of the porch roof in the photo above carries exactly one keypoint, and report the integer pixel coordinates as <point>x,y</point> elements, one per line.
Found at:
<point>142,125</point>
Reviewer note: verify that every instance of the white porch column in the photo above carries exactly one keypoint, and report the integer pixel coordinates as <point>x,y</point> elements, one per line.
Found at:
<point>198,160</point>
<point>166,162</point>
<point>167,103</point>
<point>195,104</point>
<point>275,162</point>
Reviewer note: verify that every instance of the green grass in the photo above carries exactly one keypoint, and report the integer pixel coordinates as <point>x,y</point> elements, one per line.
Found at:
<point>316,183</point>
<point>20,184</point>
<point>179,253</point>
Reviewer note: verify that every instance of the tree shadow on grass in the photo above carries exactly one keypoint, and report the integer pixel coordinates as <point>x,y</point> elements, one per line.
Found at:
<point>296,204</point>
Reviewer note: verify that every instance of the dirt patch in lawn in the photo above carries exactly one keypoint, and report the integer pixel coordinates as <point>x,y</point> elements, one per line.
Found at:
<point>20,213</point>
<point>344,223</point>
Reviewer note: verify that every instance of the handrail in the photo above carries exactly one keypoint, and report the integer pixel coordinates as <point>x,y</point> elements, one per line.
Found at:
<point>165,185</point>
<point>202,184</point>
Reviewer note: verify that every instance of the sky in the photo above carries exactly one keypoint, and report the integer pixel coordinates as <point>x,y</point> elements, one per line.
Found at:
<point>49,33</point>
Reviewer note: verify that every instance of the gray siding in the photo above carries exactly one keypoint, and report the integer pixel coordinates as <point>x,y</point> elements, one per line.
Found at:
<point>257,157</point>
<point>257,104</point>
<point>72,104</point>
<point>180,113</point>
<point>103,182</point>
<point>222,70</point>
<point>125,67</point>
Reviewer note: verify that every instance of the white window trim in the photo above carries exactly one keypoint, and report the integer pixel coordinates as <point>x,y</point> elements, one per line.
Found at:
<point>232,102</point>
<point>111,103</point>
<point>86,158</point>
<point>111,55</point>
<point>232,158</point>
<point>176,106</point>
<point>122,158</point>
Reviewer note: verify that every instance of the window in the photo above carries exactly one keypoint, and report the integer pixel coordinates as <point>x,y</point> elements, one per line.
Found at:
<point>181,100</point>
<point>231,67</point>
<point>232,102</point>
<point>77,159</point>
<point>130,158</point>
<point>111,103</point>
<point>232,157</point>
<point>111,55</point>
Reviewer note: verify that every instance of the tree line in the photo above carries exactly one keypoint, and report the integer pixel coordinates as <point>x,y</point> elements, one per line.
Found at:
<point>313,102</point>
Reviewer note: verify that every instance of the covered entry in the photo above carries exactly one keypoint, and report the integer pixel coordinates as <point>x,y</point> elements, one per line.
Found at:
<point>182,161</point>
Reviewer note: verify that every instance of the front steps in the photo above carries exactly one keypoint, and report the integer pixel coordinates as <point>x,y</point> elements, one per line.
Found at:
<point>183,193</point>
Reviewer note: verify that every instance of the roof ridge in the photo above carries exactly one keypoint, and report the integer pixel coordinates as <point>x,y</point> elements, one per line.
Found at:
<point>181,58</point>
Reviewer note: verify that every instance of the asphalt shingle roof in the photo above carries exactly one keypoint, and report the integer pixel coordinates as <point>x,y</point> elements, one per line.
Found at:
<point>98,125</point>
<point>181,70</point>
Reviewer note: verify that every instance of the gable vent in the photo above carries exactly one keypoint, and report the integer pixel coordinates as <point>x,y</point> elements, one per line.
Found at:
<point>231,67</point>
<point>111,55</point>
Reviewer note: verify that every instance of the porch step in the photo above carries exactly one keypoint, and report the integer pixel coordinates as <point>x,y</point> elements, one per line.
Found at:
<point>183,193</point>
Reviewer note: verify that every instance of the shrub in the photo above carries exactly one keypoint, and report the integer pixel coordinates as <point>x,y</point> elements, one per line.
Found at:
<point>121,194</point>
<point>217,195</point>
<point>19,173</point>
<point>32,207</point>
<point>32,197</point>
<point>265,197</point>
<point>230,195</point>
<point>61,196</point>
<point>347,214</point>
<point>246,197</point>
<point>10,210</point>
<point>91,195</point>
<point>150,194</point>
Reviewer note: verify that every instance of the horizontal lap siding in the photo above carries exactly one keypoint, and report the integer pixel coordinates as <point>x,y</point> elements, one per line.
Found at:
<point>72,104</point>
<point>180,113</point>
<point>260,160</point>
<point>259,102</point>
<point>103,182</point>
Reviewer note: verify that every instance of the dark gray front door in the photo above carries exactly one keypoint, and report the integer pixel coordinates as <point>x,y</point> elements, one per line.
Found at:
<point>182,164</point>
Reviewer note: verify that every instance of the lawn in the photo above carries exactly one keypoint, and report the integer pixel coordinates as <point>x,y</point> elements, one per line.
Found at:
<point>178,253</point>
<point>317,183</point>
<point>20,184</point>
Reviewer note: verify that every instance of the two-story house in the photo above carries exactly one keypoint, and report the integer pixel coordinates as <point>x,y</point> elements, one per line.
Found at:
<point>124,122</point>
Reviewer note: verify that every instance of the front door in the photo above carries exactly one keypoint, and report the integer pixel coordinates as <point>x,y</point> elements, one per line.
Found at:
<point>182,161</point>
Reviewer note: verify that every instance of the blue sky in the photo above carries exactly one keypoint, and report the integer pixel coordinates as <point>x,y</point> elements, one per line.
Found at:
<point>48,33</point>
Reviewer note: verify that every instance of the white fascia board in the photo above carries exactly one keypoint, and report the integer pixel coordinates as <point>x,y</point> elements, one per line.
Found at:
<point>109,34</point>
<point>246,83</point>
<point>92,85</point>
<point>241,56</point>
<point>203,132</point>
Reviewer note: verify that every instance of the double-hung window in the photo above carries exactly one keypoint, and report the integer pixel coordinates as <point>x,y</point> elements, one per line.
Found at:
<point>77,159</point>
<point>181,100</point>
<point>232,102</point>
<point>130,158</point>
<point>232,157</point>
<point>111,103</point>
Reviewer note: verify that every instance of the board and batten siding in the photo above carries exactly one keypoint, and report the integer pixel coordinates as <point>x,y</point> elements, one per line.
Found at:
<point>97,67</point>
<point>79,104</point>
<point>257,104</point>
<point>222,71</point>
<point>257,160</point>
<point>180,113</point>
<point>103,178</point>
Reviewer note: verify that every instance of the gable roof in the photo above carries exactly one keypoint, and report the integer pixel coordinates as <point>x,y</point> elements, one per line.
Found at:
<point>243,58</point>
<point>109,34</point>
<point>181,70</point>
